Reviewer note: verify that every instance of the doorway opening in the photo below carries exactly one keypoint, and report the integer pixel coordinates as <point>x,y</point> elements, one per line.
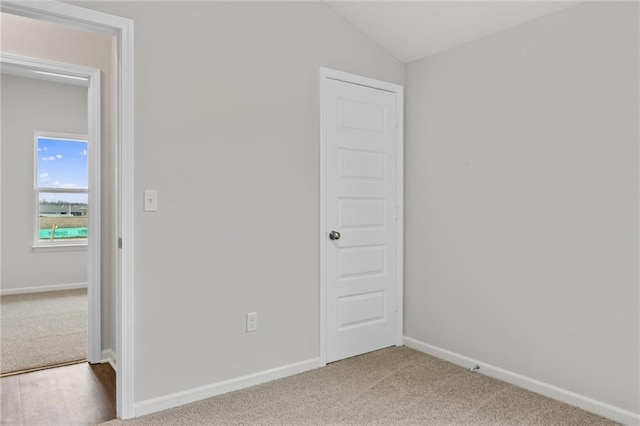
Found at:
<point>121,236</point>
<point>51,291</point>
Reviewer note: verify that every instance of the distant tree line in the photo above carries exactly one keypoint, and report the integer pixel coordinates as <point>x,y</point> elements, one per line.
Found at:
<point>62,203</point>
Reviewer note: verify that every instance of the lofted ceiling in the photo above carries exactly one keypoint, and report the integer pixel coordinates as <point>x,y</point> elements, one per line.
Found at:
<point>412,30</point>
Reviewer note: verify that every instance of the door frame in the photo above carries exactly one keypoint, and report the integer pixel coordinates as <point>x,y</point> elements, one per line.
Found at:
<point>331,74</point>
<point>122,30</point>
<point>36,68</point>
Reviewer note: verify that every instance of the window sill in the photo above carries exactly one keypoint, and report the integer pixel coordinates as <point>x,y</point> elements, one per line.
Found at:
<point>60,247</point>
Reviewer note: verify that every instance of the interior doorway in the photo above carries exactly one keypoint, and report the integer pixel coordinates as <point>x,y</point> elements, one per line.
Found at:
<point>121,265</point>
<point>51,290</point>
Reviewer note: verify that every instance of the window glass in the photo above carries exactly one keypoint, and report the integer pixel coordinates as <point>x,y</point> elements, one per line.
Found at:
<point>62,189</point>
<point>63,216</point>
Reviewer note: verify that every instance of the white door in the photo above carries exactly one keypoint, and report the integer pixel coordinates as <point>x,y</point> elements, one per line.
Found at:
<point>361,205</point>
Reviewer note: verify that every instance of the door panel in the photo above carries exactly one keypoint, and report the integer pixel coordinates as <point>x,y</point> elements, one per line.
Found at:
<point>361,146</point>
<point>361,309</point>
<point>361,165</point>
<point>361,213</point>
<point>360,261</point>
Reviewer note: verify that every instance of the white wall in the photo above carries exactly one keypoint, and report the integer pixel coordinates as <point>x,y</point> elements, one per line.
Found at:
<point>28,106</point>
<point>45,40</point>
<point>522,201</point>
<point>227,129</point>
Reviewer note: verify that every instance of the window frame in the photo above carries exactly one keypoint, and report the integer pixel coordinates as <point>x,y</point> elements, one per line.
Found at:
<point>62,244</point>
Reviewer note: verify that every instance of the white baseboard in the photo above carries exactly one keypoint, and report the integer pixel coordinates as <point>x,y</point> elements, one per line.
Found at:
<point>109,356</point>
<point>40,289</point>
<point>600,408</point>
<point>196,394</point>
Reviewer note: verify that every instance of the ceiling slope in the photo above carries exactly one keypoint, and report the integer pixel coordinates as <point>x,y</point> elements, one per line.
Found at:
<point>412,30</point>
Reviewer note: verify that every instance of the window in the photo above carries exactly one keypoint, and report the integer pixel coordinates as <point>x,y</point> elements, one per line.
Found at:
<point>61,190</point>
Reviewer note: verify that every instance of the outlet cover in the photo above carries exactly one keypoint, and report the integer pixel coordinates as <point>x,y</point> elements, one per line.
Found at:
<point>252,322</point>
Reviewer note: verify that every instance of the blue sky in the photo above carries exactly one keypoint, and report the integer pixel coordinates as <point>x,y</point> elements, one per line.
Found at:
<point>62,163</point>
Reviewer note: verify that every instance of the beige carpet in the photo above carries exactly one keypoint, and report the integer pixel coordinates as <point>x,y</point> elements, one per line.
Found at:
<point>42,329</point>
<point>395,386</point>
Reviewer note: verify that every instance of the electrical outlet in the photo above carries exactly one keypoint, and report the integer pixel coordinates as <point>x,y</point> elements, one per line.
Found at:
<point>252,322</point>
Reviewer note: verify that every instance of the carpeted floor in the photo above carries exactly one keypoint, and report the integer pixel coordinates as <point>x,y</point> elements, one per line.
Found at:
<point>395,386</point>
<point>42,329</point>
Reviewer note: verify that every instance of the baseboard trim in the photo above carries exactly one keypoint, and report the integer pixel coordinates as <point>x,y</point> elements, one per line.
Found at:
<point>597,407</point>
<point>40,289</point>
<point>196,394</point>
<point>109,356</point>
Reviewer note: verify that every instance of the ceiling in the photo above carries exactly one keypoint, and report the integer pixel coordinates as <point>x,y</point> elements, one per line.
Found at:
<point>412,30</point>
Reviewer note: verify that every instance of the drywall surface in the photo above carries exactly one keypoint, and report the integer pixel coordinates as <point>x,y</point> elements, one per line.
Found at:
<point>227,130</point>
<point>28,106</point>
<point>522,201</point>
<point>59,43</point>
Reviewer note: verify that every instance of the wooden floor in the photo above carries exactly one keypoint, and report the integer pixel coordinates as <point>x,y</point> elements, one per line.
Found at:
<point>80,394</point>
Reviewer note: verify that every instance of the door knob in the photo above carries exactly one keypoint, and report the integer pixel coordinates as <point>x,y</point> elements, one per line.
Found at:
<point>334,235</point>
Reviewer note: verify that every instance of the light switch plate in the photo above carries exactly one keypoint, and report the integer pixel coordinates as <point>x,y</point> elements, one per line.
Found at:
<point>150,200</point>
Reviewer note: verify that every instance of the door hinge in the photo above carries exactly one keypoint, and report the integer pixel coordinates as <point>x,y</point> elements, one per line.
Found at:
<point>119,242</point>
<point>397,213</point>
